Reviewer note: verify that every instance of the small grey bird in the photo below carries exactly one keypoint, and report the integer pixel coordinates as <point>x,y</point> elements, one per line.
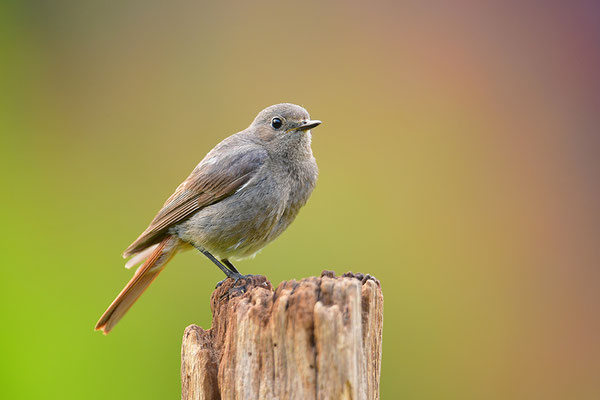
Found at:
<point>241,196</point>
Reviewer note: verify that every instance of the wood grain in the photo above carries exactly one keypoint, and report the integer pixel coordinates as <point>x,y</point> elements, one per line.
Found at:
<point>319,338</point>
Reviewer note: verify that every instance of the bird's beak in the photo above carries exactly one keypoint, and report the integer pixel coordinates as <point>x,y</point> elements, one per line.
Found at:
<point>306,125</point>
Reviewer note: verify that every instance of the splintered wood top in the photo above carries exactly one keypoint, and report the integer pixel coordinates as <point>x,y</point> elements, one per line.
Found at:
<point>317,338</point>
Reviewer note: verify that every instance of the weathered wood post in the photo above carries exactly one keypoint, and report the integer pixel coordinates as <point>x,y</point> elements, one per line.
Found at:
<point>319,338</point>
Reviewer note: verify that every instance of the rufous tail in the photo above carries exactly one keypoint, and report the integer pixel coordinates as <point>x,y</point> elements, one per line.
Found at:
<point>143,277</point>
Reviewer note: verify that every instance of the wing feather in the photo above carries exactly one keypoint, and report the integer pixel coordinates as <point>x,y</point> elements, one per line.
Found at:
<point>210,182</point>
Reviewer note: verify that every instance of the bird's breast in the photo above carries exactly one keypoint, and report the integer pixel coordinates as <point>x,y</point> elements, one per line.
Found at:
<point>243,223</point>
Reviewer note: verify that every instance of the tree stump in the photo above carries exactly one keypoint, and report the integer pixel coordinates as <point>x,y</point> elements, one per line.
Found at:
<point>319,338</point>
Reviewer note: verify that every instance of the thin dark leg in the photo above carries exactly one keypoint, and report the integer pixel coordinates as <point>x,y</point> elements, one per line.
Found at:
<point>230,274</point>
<point>230,265</point>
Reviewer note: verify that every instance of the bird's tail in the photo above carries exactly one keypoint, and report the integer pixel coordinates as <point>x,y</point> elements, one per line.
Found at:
<point>143,277</point>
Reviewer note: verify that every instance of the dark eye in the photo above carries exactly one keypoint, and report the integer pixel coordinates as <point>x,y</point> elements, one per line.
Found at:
<point>276,123</point>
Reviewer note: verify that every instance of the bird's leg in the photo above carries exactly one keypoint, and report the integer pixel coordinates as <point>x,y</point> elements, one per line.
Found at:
<point>230,274</point>
<point>230,265</point>
<point>234,269</point>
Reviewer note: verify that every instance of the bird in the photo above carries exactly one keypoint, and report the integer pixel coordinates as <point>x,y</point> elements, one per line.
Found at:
<point>243,194</point>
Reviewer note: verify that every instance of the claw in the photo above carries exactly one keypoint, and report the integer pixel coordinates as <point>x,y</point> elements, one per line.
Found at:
<point>233,287</point>
<point>220,283</point>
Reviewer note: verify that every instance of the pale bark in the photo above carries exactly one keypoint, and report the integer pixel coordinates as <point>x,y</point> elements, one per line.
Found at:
<point>319,338</point>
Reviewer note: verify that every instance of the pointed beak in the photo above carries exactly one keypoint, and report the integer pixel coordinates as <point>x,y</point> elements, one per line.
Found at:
<point>306,125</point>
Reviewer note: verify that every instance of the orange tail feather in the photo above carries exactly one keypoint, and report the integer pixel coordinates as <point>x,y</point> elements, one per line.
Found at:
<point>141,280</point>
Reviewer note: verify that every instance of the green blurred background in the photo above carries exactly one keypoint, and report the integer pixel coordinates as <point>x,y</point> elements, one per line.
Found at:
<point>459,161</point>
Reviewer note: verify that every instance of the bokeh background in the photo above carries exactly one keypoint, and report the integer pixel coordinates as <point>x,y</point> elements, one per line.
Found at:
<point>459,161</point>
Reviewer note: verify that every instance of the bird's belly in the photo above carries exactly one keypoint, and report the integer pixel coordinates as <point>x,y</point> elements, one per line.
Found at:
<point>236,227</point>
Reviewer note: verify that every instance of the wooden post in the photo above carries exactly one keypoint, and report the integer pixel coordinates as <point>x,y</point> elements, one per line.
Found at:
<point>319,338</point>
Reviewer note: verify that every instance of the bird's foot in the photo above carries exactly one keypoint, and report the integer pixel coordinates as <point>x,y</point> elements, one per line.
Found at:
<point>236,279</point>
<point>238,286</point>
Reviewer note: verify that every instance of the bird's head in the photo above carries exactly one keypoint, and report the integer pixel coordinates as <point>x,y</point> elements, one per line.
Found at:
<point>282,122</point>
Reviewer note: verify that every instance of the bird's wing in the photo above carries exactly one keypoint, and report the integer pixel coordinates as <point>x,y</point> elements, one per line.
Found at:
<point>218,176</point>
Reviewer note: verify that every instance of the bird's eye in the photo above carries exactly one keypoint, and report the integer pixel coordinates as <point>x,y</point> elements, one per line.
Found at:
<point>276,123</point>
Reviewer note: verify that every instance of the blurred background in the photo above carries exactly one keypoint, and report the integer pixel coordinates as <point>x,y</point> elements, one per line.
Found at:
<point>459,161</point>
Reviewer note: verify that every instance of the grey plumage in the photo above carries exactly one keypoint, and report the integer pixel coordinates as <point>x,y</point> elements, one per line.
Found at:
<point>241,196</point>
<point>284,174</point>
